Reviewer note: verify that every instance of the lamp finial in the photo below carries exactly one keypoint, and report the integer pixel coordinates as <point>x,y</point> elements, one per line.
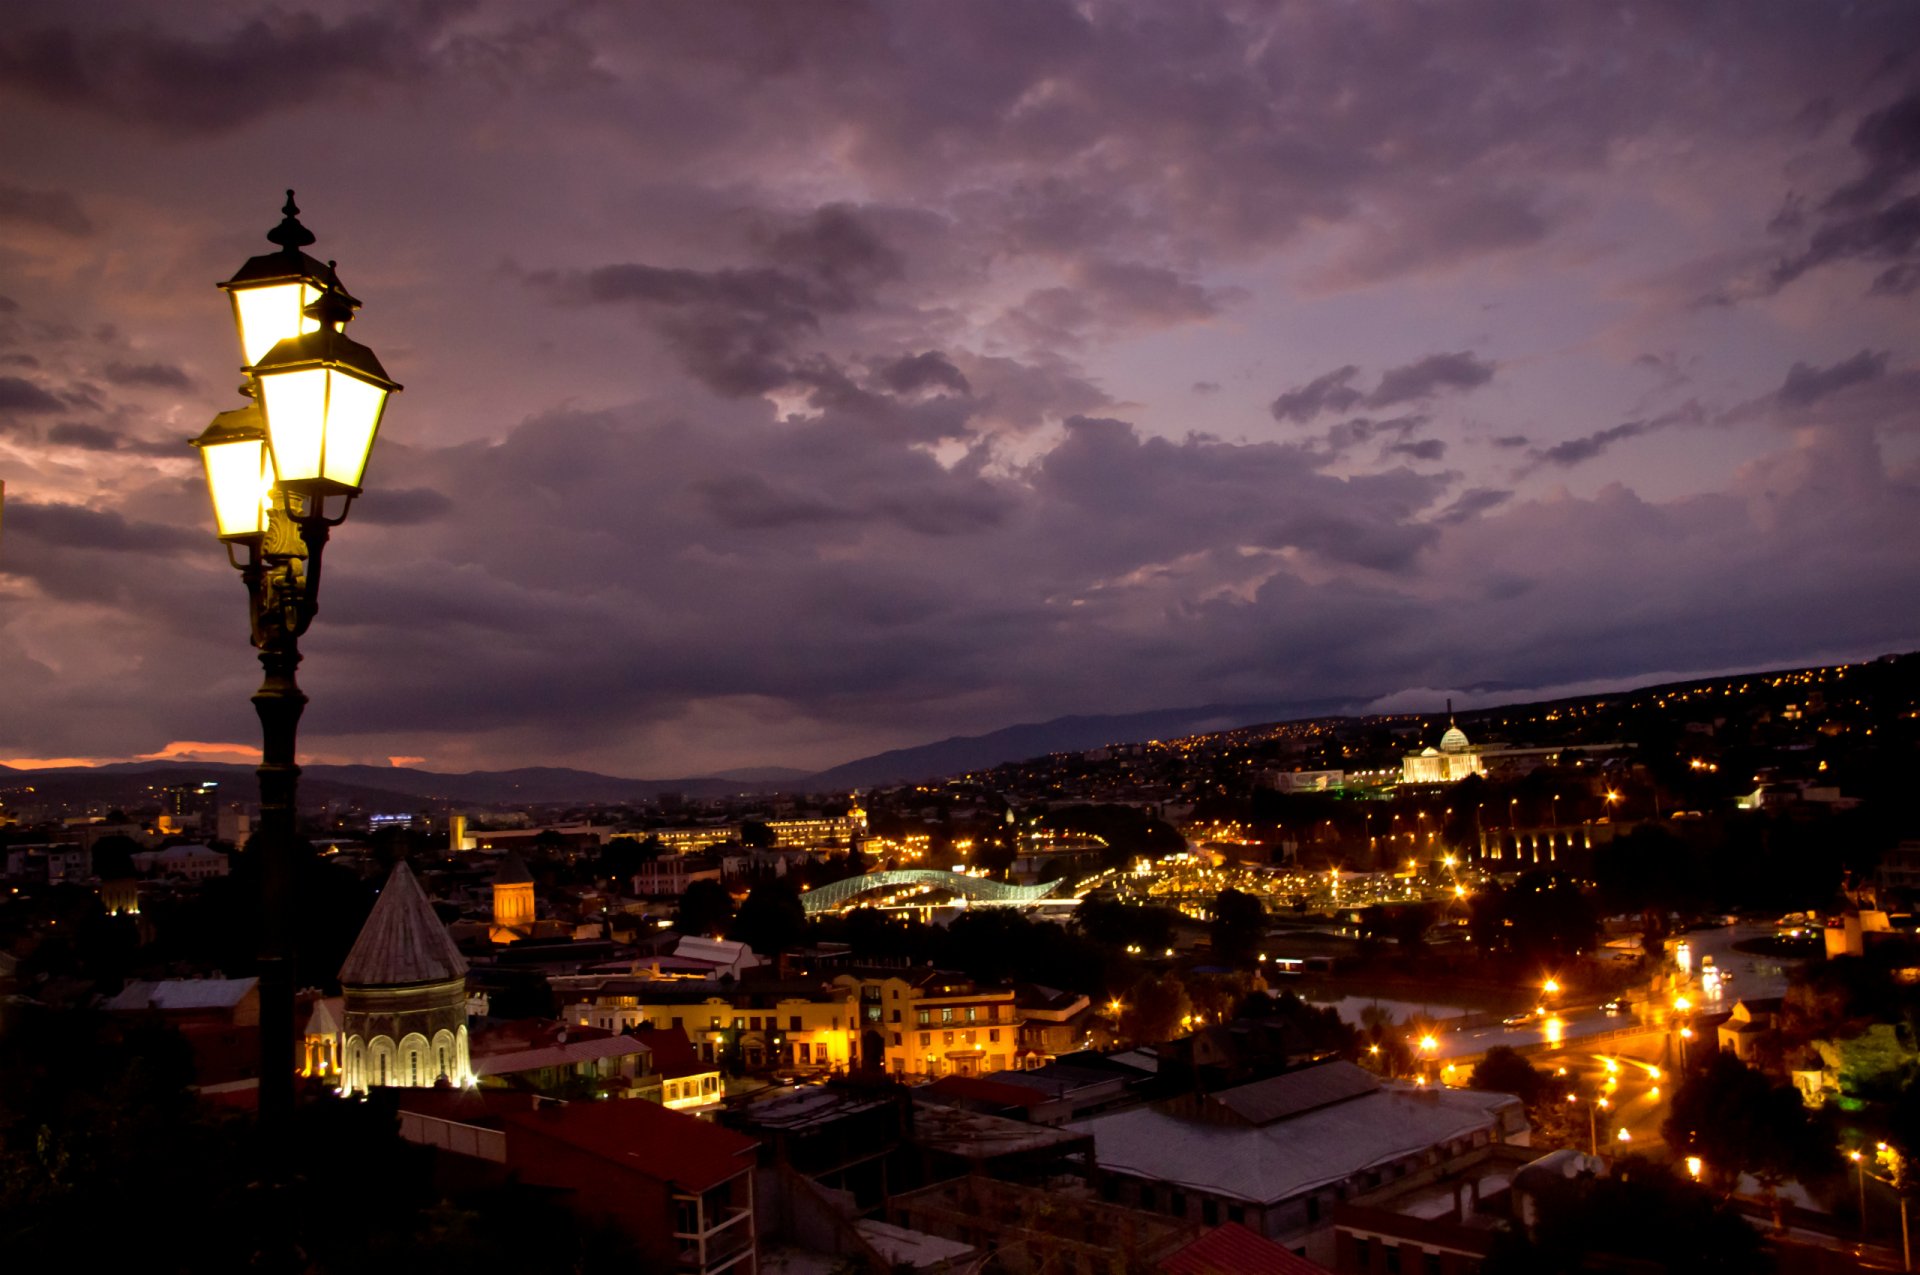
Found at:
<point>290,234</point>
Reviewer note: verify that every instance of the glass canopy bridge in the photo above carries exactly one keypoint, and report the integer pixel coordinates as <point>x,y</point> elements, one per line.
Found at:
<point>829,898</point>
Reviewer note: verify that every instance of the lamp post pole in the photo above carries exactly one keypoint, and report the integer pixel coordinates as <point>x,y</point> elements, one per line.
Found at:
<point>316,400</point>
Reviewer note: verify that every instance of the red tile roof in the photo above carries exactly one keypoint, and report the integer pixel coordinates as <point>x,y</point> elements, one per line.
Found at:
<point>644,1138</point>
<point>673,1053</point>
<point>1234,1250</point>
<point>635,1135</point>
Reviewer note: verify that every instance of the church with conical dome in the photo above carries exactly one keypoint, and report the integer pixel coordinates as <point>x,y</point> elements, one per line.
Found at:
<point>1453,761</point>
<point>404,996</point>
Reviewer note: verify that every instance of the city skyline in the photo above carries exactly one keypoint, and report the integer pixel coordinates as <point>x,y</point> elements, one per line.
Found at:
<point>783,389</point>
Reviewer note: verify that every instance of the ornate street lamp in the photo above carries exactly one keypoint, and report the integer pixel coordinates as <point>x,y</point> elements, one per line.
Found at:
<point>317,398</point>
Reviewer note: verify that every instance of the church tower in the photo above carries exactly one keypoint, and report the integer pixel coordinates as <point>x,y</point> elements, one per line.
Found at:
<point>512,900</point>
<point>404,992</point>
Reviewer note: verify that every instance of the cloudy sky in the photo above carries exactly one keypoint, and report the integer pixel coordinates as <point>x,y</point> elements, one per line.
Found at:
<point>789,381</point>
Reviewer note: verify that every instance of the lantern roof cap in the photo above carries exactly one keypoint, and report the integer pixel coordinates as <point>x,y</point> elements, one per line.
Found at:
<point>325,345</point>
<point>290,262</point>
<point>240,424</point>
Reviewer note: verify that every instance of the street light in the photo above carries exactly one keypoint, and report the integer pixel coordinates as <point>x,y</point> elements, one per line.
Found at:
<point>317,398</point>
<point>1860,1163</point>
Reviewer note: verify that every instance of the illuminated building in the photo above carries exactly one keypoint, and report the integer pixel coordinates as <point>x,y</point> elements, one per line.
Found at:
<point>669,875</point>
<point>1453,761</point>
<point>931,1023</point>
<point>512,900</point>
<point>765,1026</point>
<point>404,995</point>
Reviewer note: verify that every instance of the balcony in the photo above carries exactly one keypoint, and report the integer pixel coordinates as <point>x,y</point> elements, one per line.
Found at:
<point>721,1245</point>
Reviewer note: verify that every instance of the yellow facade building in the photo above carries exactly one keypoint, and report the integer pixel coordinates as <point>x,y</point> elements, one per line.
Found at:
<point>764,1027</point>
<point>924,1024</point>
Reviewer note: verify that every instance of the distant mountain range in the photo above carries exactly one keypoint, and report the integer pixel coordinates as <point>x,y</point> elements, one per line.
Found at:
<point>1061,735</point>
<point>404,788</point>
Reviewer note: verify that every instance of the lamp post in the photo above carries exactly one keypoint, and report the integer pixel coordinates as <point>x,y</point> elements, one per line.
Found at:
<point>273,465</point>
<point>1860,1163</point>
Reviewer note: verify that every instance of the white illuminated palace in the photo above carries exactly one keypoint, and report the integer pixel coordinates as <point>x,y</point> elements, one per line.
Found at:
<point>1453,761</point>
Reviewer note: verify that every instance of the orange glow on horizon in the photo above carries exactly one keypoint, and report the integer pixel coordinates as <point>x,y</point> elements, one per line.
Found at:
<point>202,750</point>
<point>51,763</point>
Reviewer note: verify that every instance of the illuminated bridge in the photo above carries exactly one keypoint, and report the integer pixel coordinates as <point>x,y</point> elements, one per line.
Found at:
<point>828,897</point>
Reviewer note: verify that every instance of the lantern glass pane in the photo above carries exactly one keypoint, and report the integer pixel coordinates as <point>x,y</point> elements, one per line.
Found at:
<point>238,479</point>
<point>270,314</point>
<point>353,414</point>
<point>296,404</point>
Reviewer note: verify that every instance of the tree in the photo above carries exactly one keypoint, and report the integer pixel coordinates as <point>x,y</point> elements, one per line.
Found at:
<point>1152,1010</point>
<point>772,919</point>
<point>1111,923</point>
<point>113,856</point>
<point>622,857</point>
<point>1641,1212</point>
<point>1239,923</point>
<point>1504,1071</point>
<point>755,835</point>
<point>1738,1121</point>
<point>705,908</point>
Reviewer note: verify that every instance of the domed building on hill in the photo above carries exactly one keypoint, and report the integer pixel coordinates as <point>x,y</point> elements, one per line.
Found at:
<point>404,996</point>
<point>1453,761</point>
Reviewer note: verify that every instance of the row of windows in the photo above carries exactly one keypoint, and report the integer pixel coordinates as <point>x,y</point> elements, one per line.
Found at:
<point>756,1022</point>
<point>946,1038</point>
<point>957,1014</point>
<point>675,1090</point>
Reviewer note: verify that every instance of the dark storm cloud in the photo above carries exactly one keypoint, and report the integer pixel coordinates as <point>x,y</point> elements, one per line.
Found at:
<point>1576,451</point>
<point>211,82</point>
<point>1472,503</point>
<point>1889,140</point>
<point>1868,218</point>
<point>1332,392</point>
<point>1409,383</point>
<point>50,209</point>
<point>1886,234</point>
<point>1430,376</point>
<point>1422,449</point>
<point>1341,439</point>
<point>740,330</point>
<point>77,527</point>
<point>87,437</point>
<point>401,507</point>
<point>1805,385</point>
<point>21,397</point>
<point>1511,441</point>
<point>917,373</point>
<point>158,376</point>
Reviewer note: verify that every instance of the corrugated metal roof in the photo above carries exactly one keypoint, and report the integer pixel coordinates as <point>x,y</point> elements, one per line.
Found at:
<point>559,1055</point>
<point>1265,1163</point>
<point>183,993</point>
<point>403,941</point>
<point>1276,1098</point>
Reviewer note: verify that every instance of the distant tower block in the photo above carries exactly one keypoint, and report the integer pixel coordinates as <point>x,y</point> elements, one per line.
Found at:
<point>404,996</point>
<point>512,900</point>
